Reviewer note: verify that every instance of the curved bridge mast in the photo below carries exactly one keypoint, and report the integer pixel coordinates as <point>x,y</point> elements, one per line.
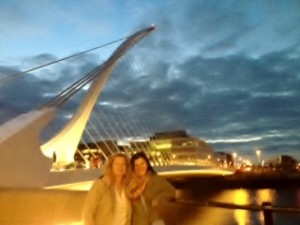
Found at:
<point>65,143</point>
<point>22,162</point>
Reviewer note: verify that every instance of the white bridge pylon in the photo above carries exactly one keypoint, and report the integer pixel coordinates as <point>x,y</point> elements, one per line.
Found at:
<point>65,143</point>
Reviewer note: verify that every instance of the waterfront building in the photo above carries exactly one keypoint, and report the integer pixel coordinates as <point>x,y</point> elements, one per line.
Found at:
<point>224,159</point>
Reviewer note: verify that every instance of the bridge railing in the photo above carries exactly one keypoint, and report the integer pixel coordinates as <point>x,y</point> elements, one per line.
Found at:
<point>266,208</point>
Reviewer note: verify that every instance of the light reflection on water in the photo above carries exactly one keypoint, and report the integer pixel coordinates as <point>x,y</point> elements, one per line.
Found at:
<point>182,214</point>
<point>241,198</point>
<point>245,197</point>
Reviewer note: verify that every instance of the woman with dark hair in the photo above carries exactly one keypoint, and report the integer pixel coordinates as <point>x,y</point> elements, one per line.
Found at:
<point>147,190</point>
<point>106,202</point>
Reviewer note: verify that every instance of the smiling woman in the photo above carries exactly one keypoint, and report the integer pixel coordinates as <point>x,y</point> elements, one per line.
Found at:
<point>147,190</point>
<point>106,202</point>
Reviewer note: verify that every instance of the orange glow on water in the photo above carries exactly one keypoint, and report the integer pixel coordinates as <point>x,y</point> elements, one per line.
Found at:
<point>263,195</point>
<point>241,198</point>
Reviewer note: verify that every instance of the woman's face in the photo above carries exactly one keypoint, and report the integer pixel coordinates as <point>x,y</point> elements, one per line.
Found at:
<point>119,167</point>
<point>140,167</point>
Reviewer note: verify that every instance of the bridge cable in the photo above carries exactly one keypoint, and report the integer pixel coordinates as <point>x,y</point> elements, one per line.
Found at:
<point>108,136</point>
<point>95,143</point>
<point>123,135</point>
<point>72,89</point>
<point>136,63</point>
<point>127,130</point>
<point>147,60</point>
<point>16,75</point>
<point>99,135</point>
<point>111,128</point>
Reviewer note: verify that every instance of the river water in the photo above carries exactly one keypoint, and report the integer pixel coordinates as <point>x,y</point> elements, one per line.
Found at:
<point>186,214</point>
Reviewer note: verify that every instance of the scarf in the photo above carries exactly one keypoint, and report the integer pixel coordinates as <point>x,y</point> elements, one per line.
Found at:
<point>137,186</point>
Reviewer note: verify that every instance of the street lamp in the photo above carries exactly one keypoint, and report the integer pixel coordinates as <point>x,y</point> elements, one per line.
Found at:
<point>258,153</point>
<point>234,157</point>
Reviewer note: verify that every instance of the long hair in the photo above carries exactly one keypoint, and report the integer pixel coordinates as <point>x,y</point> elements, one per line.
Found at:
<point>143,156</point>
<point>108,166</point>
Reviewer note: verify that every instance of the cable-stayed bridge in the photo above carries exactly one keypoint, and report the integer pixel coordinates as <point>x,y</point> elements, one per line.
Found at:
<point>27,161</point>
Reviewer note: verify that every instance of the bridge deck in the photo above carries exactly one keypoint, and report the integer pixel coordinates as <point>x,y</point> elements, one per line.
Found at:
<point>81,179</point>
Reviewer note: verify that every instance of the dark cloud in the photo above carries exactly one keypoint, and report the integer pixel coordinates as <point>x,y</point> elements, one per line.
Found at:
<point>31,90</point>
<point>235,98</point>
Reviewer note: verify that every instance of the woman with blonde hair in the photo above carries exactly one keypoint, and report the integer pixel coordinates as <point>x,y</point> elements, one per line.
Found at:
<point>106,202</point>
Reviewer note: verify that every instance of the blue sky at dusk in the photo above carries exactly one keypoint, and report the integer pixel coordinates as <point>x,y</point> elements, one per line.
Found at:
<point>226,71</point>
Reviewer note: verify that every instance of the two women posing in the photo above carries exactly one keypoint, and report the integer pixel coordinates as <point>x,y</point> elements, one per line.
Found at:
<point>124,198</point>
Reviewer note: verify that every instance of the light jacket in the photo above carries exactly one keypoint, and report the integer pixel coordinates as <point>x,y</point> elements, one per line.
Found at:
<point>157,189</point>
<point>100,205</point>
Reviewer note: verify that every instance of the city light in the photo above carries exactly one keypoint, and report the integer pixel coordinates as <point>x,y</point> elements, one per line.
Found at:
<point>234,155</point>
<point>258,153</point>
